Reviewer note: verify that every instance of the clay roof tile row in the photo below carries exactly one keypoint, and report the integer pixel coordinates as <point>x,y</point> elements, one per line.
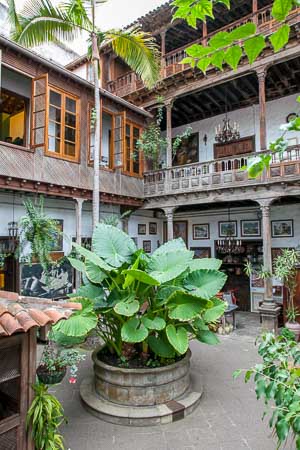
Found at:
<point>18,314</point>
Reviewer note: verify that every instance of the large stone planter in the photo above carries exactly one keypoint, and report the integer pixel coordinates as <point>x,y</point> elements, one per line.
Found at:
<point>146,387</point>
<point>140,397</point>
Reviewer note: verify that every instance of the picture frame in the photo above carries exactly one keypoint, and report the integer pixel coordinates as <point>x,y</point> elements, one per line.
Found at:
<point>201,231</point>
<point>180,228</point>
<point>58,246</point>
<point>147,246</point>
<point>228,228</point>
<point>282,228</point>
<point>152,227</point>
<point>201,252</point>
<point>142,228</point>
<point>251,228</point>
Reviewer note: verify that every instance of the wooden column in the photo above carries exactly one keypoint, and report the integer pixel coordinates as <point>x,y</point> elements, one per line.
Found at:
<point>261,74</point>
<point>169,213</point>
<point>163,52</point>
<point>169,158</point>
<point>254,11</point>
<point>269,310</point>
<point>78,208</point>
<point>204,33</point>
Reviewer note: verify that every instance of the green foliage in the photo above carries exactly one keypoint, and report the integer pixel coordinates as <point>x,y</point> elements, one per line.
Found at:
<point>154,303</point>
<point>277,380</point>
<point>45,416</point>
<point>40,231</point>
<point>280,38</point>
<point>55,358</point>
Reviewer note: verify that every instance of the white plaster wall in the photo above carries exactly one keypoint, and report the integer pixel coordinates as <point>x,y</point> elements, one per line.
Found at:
<point>81,71</point>
<point>144,217</point>
<point>248,119</point>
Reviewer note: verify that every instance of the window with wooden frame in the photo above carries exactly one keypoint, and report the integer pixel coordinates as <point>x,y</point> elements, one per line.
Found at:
<point>133,161</point>
<point>106,138</point>
<point>63,125</point>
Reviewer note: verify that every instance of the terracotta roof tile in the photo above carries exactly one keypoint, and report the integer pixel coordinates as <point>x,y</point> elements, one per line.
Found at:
<point>19,314</point>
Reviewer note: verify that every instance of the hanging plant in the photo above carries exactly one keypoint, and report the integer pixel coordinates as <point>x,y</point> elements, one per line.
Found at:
<point>40,231</point>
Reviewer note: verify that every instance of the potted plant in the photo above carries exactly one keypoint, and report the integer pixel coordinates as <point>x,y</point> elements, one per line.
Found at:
<point>285,270</point>
<point>54,363</point>
<point>145,309</point>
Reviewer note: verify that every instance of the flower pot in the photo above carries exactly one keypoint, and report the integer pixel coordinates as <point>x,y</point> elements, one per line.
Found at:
<point>294,327</point>
<point>141,387</point>
<point>47,377</point>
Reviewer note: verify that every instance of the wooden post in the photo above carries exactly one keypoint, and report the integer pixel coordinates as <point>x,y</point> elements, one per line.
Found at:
<point>163,52</point>
<point>254,11</point>
<point>204,33</point>
<point>269,310</point>
<point>169,213</point>
<point>78,208</point>
<point>261,74</point>
<point>169,158</point>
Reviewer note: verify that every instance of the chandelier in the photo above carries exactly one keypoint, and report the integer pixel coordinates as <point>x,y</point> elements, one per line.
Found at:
<point>228,132</point>
<point>230,245</point>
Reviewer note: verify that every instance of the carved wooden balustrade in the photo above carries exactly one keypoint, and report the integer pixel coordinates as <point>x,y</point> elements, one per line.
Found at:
<point>218,174</point>
<point>130,82</point>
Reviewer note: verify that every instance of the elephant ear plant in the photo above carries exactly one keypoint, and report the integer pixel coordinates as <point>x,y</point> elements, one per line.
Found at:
<point>144,308</point>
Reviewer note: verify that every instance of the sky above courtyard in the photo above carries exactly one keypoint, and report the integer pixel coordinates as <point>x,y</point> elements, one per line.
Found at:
<point>114,14</point>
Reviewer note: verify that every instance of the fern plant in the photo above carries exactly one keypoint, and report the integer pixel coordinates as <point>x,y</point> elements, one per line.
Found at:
<point>41,231</point>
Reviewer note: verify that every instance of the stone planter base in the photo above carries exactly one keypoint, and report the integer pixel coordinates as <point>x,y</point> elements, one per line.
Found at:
<point>138,416</point>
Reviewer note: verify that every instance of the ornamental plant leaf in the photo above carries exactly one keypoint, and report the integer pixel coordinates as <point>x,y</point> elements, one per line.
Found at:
<point>233,56</point>
<point>161,347</point>
<point>225,2</point>
<point>197,51</point>
<point>213,314</point>
<point>80,323</point>
<point>282,429</point>
<point>141,276</point>
<point>89,291</point>
<point>243,32</point>
<point>281,9</point>
<point>203,64</point>
<point>175,244</point>
<point>113,245</point>
<point>186,311</point>
<point>219,40</point>
<point>133,331</point>
<point>217,59</point>
<point>92,257</point>
<point>93,272</point>
<point>127,308</point>
<point>253,47</point>
<point>205,283</point>
<point>157,323</point>
<point>167,266</point>
<point>280,38</point>
<point>178,338</point>
<point>208,337</point>
<point>205,263</point>
<point>77,264</point>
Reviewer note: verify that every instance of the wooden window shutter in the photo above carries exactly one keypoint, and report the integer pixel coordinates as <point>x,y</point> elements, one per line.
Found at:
<point>119,124</point>
<point>39,111</point>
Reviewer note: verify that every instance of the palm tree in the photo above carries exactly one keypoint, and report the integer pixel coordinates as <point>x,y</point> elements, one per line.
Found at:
<point>41,21</point>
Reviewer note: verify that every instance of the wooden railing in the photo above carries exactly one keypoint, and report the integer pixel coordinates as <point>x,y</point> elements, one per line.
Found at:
<point>130,82</point>
<point>218,174</point>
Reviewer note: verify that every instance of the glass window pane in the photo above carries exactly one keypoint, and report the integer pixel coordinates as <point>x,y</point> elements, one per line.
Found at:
<point>127,130</point>
<point>53,144</point>
<point>12,118</point>
<point>69,149</point>
<point>55,98</point>
<point>55,114</point>
<point>136,132</point>
<point>54,129</point>
<point>70,119</point>
<point>70,105</point>
<point>70,134</point>
<point>136,158</point>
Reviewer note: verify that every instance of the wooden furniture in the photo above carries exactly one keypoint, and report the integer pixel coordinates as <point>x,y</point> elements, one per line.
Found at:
<point>240,147</point>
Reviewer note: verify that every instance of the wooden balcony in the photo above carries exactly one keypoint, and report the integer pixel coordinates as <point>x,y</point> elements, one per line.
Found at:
<point>130,82</point>
<point>218,174</point>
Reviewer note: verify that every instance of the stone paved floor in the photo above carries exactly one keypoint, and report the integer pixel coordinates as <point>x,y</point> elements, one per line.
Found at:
<point>228,418</point>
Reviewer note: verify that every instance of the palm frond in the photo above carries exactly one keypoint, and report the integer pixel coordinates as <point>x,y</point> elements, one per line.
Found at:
<point>77,13</point>
<point>139,50</point>
<point>40,21</point>
<point>12,15</point>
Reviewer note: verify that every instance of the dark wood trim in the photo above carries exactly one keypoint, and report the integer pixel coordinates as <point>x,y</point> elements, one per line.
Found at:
<point>243,146</point>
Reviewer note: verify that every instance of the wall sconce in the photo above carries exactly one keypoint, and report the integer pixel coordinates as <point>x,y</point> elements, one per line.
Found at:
<point>205,139</point>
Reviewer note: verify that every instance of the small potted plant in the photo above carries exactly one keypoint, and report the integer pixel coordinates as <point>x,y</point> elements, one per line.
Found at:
<point>54,363</point>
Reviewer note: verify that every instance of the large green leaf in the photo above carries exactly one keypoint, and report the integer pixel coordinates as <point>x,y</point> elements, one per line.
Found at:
<point>178,338</point>
<point>94,293</point>
<point>94,273</point>
<point>203,64</point>
<point>127,308</point>
<point>92,257</point>
<point>233,55</point>
<point>134,331</point>
<point>205,263</point>
<point>219,40</point>
<point>158,323</point>
<point>243,32</point>
<point>214,313</point>
<point>281,9</point>
<point>141,276</point>
<point>129,279</point>
<point>161,347</point>
<point>183,306</point>
<point>164,293</point>
<point>167,266</point>
<point>175,244</point>
<point>280,38</point>
<point>208,337</point>
<point>182,298</point>
<point>80,323</point>
<point>253,47</point>
<point>113,245</point>
<point>205,283</point>
<point>217,59</point>
<point>77,264</point>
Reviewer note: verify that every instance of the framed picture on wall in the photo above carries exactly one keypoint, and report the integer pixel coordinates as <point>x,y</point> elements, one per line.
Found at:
<point>201,231</point>
<point>58,246</point>
<point>142,228</point>
<point>152,228</point>
<point>228,229</point>
<point>250,228</point>
<point>147,246</point>
<point>201,252</point>
<point>180,228</point>
<point>282,228</point>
